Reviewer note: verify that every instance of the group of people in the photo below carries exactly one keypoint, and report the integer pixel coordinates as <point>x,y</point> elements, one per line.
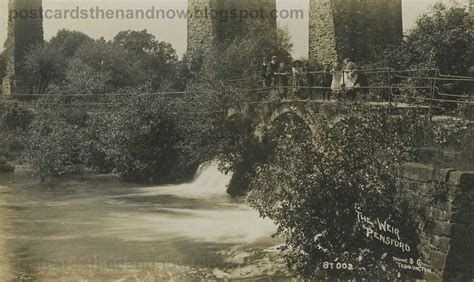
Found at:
<point>342,81</point>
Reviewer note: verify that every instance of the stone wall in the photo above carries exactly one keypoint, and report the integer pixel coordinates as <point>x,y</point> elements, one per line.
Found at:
<point>446,199</point>
<point>23,32</point>
<point>205,29</point>
<point>357,29</point>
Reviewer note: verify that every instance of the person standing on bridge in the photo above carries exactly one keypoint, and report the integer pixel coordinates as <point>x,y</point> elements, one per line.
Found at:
<point>337,83</point>
<point>263,72</point>
<point>345,63</point>
<point>272,71</point>
<point>309,80</point>
<point>361,84</point>
<point>298,73</point>
<point>326,82</point>
<point>283,75</point>
<point>350,81</point>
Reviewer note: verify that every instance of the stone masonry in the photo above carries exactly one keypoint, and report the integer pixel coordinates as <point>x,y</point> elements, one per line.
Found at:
<point>218,21</point>
<point>355,29</point>
<point>446,199</point>
<point>24,30</point>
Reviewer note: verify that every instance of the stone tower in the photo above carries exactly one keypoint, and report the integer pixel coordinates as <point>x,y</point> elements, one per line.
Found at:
<point>25,28</point>
<point>216,21</point>
<point>356,29</point>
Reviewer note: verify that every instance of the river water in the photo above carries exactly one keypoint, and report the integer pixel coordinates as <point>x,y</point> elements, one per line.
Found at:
<point>97,228</point>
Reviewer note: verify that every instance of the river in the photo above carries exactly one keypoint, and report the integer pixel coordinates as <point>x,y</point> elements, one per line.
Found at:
<point>97,228</point>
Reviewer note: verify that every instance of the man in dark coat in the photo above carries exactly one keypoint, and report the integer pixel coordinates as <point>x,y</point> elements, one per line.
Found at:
<point>326,81</point>
<point>361,84</point>
<point>263,73</point>
<point>272,71</point>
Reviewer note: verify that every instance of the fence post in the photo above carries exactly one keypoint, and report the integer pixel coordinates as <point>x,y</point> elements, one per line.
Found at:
<point>390,96</point>
<point>433,92</point>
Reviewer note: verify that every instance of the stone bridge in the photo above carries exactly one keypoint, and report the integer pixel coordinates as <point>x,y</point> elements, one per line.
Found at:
<point>265,114</point>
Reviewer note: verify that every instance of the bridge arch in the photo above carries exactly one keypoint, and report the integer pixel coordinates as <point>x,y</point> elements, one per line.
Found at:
<point>288,124</point>
<point>296,113</point>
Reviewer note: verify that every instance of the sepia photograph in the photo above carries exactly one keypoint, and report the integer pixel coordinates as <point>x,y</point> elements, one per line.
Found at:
<point>236,140</point>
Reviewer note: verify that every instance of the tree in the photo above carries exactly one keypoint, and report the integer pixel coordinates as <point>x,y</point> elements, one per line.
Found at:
<point>441,39</point>
<point>56,143</point>
<point>81,78</point>
<point>2,66</point>
<point>158,57</point>
<point>46,63</point>
<point>123,67</point>
<point>67,42</point>
<point>48,60</point>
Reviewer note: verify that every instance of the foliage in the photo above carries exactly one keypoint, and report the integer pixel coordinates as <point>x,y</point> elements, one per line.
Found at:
<point>46,63</point>
<point>449,131</point>
<point>81,78</point>
<point>312,188</point>
<point>67,42</point>
<point>242,57</point>
<point>2,66</point>
<point>48,60</point>
<point>183,74</point>
<point>103,55</point>
<point>76,68</point>
<point>442,39</point>
<point>56,143</point>
<point>158,58</point>
<point>142,141</point>
<point>71,61</point>
<point>239,153</point>
<point>136,137</point>
<point>14,122</point>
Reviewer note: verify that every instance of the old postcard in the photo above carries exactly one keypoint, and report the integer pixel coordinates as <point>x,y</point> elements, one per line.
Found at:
<point>237,140</point>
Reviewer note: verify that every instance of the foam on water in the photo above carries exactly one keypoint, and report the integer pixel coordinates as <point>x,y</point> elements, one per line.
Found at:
<point>218,218</point>
<point>208,182</point>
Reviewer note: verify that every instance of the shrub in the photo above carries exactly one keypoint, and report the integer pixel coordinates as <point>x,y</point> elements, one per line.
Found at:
<point>55,143</point>
<point>312,188</point>
<point>142,141</point>
<point>14,123</point>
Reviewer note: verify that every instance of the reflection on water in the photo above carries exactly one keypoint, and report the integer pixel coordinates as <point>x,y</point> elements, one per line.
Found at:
<point>100,229</point>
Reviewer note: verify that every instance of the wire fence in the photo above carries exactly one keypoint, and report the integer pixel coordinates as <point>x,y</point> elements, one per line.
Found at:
<point>418,87</point>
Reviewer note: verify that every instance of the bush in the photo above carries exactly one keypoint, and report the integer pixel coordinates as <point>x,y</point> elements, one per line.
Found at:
<point>56,143</point>
<point>14,123</point>
<point>2,67</point>
<point>312,188</point>
<point>142,141</point>
<point>441,39</point>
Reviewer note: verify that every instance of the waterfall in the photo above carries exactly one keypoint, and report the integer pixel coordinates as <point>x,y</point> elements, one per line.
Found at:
<point>208,182</point>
